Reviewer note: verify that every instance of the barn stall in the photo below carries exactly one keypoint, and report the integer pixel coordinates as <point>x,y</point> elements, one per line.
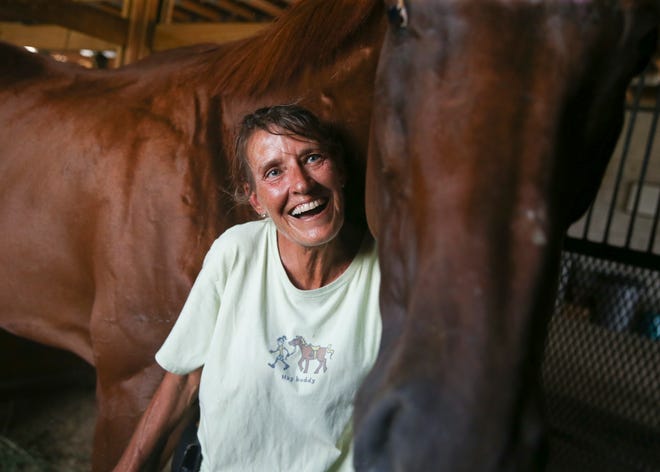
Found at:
<point>602,360</point>
<point>601,374</point>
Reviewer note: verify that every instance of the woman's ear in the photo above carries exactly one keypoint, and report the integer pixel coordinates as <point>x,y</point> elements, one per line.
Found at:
<point>254,201</point>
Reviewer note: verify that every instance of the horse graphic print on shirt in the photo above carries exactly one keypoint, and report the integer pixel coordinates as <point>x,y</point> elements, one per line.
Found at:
<point>308,352</point>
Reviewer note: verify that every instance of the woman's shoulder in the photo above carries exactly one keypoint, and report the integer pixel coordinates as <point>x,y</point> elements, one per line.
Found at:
<point>250,230</point>
<point>242,238</point>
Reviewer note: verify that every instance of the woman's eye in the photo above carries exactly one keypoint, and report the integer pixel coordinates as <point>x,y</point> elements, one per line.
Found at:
<point>313,158</point>
<point>272,173</point>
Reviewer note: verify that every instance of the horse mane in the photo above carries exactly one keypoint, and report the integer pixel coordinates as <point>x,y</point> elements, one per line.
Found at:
<point>311,32</point>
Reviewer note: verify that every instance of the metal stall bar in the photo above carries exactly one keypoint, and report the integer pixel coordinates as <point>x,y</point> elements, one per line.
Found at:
<point>624,157</point>
<point>643,171</point>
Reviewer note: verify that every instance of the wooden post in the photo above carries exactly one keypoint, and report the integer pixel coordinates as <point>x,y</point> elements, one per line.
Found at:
<point>166,10</point>
<point>141,16</point>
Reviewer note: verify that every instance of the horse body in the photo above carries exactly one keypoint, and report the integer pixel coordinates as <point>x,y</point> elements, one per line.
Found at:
<point>109,201</point>
<point>115,183</point>
<point>492,126</point>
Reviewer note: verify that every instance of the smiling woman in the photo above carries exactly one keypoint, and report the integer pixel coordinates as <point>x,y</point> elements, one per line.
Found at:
<point>296,178</point>
<point>299,285</point>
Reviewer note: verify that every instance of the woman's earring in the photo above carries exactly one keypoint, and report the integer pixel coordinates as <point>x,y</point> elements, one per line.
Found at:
<point>263,215</point>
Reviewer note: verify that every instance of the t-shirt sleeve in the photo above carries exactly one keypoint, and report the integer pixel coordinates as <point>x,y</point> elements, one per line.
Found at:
<point>186,346</point>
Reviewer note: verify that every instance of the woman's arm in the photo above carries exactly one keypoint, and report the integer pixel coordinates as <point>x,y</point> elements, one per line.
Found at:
<point>171,401</point>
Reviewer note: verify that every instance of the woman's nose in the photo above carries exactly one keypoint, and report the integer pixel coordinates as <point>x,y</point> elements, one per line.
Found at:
<point>301,181</point>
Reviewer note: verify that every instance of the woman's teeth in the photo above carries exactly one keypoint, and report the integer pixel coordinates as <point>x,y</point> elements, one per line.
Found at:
<point>305,207</point>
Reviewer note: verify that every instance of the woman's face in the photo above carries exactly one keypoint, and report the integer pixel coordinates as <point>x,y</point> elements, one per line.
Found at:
<point>298,186</point>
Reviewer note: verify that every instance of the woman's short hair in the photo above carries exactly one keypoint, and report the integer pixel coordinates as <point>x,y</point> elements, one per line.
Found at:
<point>287,120</point>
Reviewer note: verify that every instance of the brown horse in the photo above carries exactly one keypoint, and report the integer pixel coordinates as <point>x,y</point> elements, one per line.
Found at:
<point>311,353</point>
<point>493,122</point>
<point>492,126</point>
<point>113,184</point>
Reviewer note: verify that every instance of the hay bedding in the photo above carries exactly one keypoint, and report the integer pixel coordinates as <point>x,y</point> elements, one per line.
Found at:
<point>47,409</point>
<point>47,431</point>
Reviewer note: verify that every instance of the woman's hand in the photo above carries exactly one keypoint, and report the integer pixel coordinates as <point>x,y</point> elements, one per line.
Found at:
<point>172,400</point>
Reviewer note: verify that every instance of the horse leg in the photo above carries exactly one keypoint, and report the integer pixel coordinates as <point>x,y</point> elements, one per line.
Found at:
<point>120,404</point>
<point>322,363</point>
<point>320,356</point>
<point>124,344</point>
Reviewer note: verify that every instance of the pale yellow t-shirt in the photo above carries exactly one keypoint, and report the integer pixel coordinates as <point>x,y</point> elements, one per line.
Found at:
<point>281,365</point>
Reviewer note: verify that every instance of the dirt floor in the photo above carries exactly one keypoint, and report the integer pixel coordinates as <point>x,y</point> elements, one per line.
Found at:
<point>48,431</point>
<point>47,409</point>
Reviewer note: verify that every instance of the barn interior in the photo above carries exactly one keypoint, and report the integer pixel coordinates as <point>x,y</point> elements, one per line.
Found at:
<point>601,371</point>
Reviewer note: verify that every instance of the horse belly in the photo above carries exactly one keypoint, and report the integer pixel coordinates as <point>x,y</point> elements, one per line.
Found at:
<point>47,288</point>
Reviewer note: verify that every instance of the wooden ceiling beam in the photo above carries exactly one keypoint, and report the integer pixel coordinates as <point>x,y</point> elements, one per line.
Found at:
<point>235,9</point>
<point>108,9</point>
<point>200,10</point>
<point>70,15</point>
<point>264,6</point>
<point>51,37</point>
<point>181,16</point>
<point>168,36</point>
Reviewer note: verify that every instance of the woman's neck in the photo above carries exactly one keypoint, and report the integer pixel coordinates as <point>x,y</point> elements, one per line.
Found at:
<point>314,267</point>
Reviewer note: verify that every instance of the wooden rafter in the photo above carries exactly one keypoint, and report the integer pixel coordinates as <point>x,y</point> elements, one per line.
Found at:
<point>108,8</point>
<point>181,16</point>
<point>235,9</point>
<point>139,28</point>
<point>264,6</point>
<point>50,37</point>
<point>72,15</point>
<point>200,9</point>
<point>183,34</point>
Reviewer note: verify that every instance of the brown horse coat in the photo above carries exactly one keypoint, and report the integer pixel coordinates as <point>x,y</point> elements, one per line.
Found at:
<point>113,184</point>
<point>492,126</point>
